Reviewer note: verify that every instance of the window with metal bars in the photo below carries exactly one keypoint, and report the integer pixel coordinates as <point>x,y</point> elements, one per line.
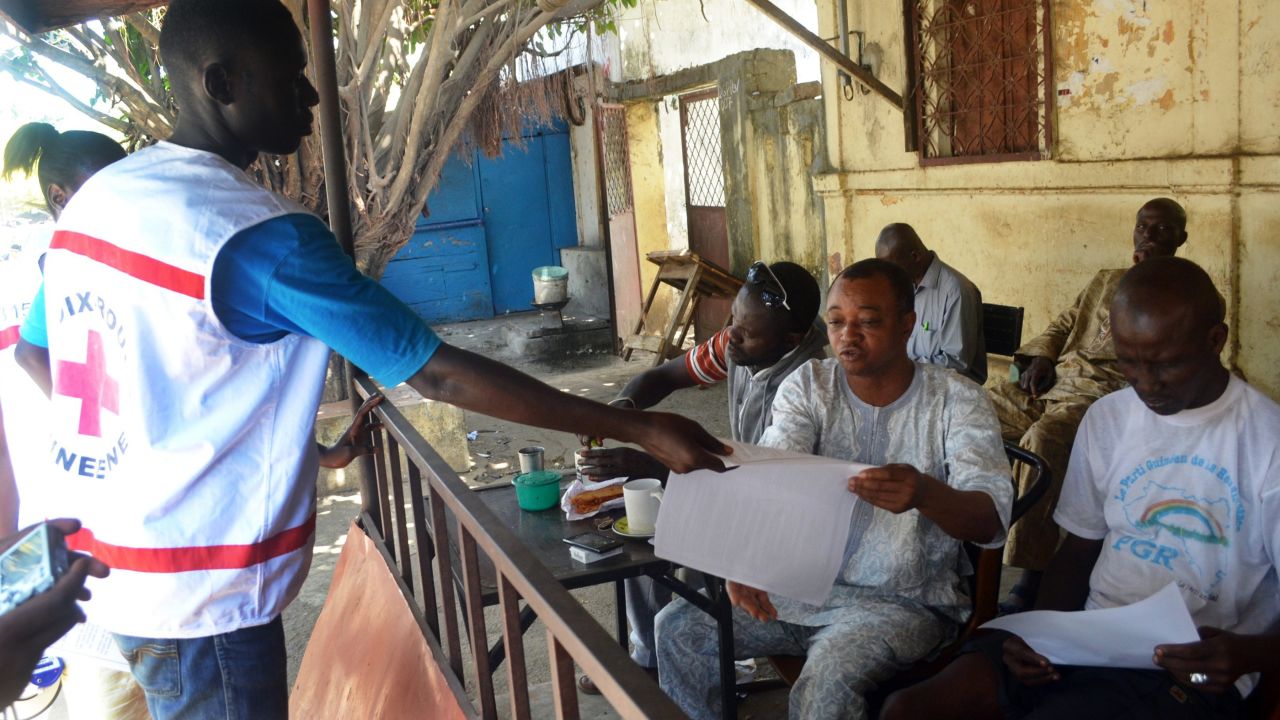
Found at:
<point>617,164</point>
<point>983,70</point>
<point>703,168</point>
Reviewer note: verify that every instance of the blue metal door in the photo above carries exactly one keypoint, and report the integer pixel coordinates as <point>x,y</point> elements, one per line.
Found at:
<point>443,271</point>
<point>528,214</point>
<point>490,222</point>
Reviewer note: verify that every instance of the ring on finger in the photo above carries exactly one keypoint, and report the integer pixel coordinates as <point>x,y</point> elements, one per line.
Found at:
<point>1199,678</point>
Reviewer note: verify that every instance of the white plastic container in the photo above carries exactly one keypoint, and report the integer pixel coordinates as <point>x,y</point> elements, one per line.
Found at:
<point>550,285</point>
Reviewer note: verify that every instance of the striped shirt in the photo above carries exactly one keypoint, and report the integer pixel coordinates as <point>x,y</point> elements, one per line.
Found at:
<point>707,363</point>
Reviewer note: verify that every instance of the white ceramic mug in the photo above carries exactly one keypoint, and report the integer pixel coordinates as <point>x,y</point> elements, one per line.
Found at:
<point>642,499</point>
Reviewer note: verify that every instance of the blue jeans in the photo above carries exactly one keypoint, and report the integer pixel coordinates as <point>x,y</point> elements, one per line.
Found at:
<point>240,675</point>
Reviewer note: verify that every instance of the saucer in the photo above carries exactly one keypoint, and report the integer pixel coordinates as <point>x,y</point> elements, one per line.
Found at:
<point>621,527</point>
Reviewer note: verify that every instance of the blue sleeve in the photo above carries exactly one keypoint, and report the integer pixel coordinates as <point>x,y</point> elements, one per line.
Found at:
<point>288,275</point>
<point>35,328</point>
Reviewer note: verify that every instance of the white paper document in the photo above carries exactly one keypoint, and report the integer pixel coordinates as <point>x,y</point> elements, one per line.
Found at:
<point>778,521</point>
<point>90,642</point>
<point>1120,637</point>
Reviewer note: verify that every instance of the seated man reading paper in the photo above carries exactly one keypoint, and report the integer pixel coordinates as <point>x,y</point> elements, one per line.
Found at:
<point>1173,479</point>
<point>942,478</point>
<point>775,330</point>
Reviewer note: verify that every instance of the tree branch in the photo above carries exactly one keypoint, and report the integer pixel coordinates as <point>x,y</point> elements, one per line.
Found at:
<point>51,86</point>
<point>140,22</point>
<point>118,86</point>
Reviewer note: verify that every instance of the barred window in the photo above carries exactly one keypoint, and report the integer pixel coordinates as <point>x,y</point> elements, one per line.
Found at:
<point>983,70</point>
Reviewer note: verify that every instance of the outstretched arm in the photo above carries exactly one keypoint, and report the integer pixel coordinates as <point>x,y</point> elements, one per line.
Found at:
<point>482,385</point>
<point>653,385</point>
<point>288,274</point>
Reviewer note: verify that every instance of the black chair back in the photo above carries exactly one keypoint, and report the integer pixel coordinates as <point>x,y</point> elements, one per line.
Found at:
<point>1001,328</point>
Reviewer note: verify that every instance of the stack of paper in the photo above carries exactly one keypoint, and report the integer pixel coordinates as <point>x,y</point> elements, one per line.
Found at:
<point>1121,637</point>
<point>778,521</point>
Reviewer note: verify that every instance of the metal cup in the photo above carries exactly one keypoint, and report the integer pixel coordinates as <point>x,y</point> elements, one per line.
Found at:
<point>530,459</point>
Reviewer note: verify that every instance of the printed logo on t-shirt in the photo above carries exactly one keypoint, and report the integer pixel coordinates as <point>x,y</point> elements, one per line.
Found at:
<point>1183,512</point>
<point>13,313</point>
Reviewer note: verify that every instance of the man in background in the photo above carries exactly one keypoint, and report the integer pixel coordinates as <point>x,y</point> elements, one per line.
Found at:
<point>948,329</point>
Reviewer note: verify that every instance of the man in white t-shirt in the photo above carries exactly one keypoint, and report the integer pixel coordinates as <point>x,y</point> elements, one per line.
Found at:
<point>1174,479</point>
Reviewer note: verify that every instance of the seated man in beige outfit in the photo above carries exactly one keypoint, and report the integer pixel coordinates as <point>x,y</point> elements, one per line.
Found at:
<point>1062,371</point>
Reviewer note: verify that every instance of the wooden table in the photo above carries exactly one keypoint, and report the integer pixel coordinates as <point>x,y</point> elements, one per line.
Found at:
<point>544,533</point>
<point>694,278</point>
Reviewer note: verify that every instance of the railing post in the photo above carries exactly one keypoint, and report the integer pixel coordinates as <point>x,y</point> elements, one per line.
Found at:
<point>376,506</point>
<point>376,486</point>
<point>426,551</point>
<point>475,615</point>
<point>513,638</point>
<point>562,684</point>
<point>449,605</point>
<point>404,556</point>
<point>337,198</point>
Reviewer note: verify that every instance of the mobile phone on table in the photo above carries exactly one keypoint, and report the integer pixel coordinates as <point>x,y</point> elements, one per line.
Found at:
<point>594,541</point>
<point>31,566</point>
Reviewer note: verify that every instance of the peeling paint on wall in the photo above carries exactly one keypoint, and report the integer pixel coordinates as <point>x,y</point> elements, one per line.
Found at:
<point>1145,92</point>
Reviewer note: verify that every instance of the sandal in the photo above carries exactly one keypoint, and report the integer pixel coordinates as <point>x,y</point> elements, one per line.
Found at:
<point>586,686</point>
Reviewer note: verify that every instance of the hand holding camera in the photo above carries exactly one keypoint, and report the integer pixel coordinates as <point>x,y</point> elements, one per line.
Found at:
<point>40,584</point>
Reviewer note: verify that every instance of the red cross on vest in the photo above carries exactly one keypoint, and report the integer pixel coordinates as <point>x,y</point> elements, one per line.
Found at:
<point>90,383</point>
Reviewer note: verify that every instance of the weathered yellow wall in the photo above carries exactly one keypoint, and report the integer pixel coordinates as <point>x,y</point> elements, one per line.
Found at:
<point>648,191</point>
<point>1178,99</point>
<point>787,213</point>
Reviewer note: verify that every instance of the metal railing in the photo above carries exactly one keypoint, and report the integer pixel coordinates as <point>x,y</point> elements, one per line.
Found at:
<point>446,524</point>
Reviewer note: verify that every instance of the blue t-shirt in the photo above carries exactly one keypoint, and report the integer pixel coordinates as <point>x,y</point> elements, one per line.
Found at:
<point>288,275</point>
<point>34,328</point>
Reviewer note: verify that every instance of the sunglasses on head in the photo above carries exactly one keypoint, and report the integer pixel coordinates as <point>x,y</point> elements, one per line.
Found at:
<point>772,294</point>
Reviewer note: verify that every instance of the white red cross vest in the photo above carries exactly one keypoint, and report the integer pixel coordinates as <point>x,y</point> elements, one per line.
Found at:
<point>188,453</point>
<point>26,430</point>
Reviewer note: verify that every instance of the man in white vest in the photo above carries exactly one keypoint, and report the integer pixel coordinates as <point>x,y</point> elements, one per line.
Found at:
<point>190,317</point>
